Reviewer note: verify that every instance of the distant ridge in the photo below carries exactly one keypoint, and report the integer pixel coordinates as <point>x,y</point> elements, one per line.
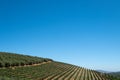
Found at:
<point>115,74</point>
<point>103,71</point>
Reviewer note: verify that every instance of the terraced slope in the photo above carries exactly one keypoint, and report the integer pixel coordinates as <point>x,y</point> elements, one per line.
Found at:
<point>49,70</point>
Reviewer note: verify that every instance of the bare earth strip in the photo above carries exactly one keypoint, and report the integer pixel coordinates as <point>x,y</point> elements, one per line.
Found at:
<point>56,74</point>
<point>71,74</point>
<point>63,73</point>
<point>62,77</point>
<point>79,75</point>
<point>27,65</point>
<point>75,75</point>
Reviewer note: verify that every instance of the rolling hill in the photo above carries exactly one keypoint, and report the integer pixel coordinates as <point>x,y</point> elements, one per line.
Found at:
<point>23,67</point>
<point>115,74</point>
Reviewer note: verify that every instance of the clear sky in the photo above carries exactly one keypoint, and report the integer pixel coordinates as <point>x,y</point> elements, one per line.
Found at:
<point>80,32</point>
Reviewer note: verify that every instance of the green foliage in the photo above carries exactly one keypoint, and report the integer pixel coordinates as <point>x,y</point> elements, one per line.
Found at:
<point>112,77</point>
<point>49,71</point>
<point>52,71</point>
<point>10,60</point>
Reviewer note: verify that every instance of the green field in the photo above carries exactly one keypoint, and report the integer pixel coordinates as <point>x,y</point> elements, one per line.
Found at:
<point>47,70</point>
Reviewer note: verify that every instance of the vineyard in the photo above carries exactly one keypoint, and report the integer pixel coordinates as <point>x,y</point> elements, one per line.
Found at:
<point>11,60</point>
<point>51,70</point>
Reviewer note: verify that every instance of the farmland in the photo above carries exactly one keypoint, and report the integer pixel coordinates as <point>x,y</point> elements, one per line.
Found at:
<point>50,70</point>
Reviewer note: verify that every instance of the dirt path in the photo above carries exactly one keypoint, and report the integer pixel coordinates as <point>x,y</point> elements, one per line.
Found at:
<point>32,65</point>
<point>27,65</point>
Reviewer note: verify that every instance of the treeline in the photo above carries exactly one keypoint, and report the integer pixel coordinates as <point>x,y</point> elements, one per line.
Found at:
<point>111,77</point>
<point>12,59</point>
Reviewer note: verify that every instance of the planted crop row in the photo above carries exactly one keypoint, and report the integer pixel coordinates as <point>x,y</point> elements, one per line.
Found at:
<point>53,71</point>
<point>77,73</point>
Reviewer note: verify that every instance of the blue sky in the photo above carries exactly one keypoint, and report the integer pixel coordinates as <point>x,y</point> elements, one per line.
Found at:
<point>80,32</point>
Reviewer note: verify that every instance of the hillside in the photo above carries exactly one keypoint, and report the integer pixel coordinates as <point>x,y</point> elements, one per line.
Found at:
<point>24,67</point>
<point>12,59</point>
<point>102,71</point>
<point>115,74</point>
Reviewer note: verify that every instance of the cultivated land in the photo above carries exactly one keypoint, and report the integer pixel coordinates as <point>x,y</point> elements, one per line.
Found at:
<point>24,67</point>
